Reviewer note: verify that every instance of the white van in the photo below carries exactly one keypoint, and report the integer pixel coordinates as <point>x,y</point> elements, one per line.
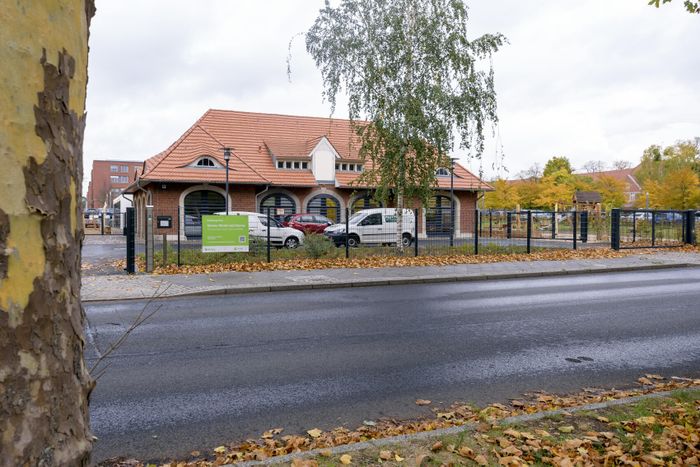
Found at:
<point>279,236</point>
<point>373,226</point>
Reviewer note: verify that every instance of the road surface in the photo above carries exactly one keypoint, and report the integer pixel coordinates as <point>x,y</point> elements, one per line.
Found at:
<point>209,370</point>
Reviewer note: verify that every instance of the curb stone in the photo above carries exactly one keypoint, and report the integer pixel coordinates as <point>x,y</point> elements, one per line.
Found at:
<point>376,443</point>
<point>242,289</point>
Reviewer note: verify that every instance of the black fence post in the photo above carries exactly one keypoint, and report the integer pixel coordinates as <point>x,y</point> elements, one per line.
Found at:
<point>554,225</point>
<point>574,226</point>
<point>477,224</point>
<point>634,226</point>
<point>415,232</point>
<point>509,224</point>
<point>268,234</point>
<point>178,236</point>
<point>689,227</point>
<point>615,229</point>
<point>529,230</point>
<point>347,233</point>
<point>490,223</point>
<point>102,223</point>
<point>653,228</point>
<point>584,227</point>
<point>130,241</point>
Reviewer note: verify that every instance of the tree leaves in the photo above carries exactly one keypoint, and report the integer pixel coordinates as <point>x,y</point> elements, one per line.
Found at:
<point>410,71</point>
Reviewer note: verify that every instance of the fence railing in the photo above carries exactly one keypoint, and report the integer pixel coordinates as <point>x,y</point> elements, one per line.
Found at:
<point>643,228</point>
<point>174,236</point>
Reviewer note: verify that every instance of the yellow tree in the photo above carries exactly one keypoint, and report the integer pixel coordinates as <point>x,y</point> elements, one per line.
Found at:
<point>557,188</point>
<point>44,385</point>
<point>612,191</point>
<point>504,196</point>
<point>679,190</point>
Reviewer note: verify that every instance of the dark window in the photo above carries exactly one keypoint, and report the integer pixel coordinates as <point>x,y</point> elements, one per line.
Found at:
<point>307,219</point>
<point>201,203</point>
<point>205,162</point>
<point>280,164</point>
<point>325,205</point>
<point>304,165</point>
<point>372,219</point>
<point>438,216</point>
<point>322,220</point>
<point>442,172</point>
<point>280,205</point>
<point>366,202</point>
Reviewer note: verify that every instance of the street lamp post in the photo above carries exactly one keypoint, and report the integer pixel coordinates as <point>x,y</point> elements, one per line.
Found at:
<point>227,158</point>
<point>452,201</point>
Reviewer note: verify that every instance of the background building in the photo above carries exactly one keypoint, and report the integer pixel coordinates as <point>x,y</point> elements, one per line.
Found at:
<point>108,178</point>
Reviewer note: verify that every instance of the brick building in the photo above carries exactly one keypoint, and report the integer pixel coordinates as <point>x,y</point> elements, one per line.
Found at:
<point>288,163</point>
<point>108,179</point>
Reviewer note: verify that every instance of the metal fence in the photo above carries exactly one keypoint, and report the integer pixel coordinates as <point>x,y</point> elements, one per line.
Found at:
<point>175,235</point>
<point>643,228</point>
<point>104,223</point>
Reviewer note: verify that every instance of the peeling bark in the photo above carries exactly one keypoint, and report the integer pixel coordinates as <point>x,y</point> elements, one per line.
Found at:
<point>44,383</point>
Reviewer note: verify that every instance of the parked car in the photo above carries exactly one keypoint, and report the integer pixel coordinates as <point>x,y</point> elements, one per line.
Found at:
<point>279,235</point>
<point>193,226</point>
<point>373,226</point>
<point>307,222</point>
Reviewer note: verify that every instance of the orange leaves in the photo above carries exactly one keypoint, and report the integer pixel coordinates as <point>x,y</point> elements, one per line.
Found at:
<point>382,261</point>
<point>666,435</point>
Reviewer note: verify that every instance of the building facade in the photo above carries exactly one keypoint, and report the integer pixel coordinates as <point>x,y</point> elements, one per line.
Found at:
<point>288,164</point>
<point>108,178</point>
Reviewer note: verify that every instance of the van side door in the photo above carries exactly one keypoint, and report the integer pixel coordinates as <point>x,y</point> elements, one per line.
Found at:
<point>371,229</point>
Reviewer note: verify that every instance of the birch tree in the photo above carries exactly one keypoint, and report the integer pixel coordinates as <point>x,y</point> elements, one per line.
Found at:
<point>44,384</point>
<point>416,80</point>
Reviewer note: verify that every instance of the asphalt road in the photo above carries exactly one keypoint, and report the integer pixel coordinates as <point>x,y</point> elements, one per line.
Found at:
<point>205,371</point>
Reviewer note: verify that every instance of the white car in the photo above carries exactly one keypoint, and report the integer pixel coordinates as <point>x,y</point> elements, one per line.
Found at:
<point>373,226</point>
<point>279,236</point>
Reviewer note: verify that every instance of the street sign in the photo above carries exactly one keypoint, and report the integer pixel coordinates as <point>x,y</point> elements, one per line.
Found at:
<point>224,234</point>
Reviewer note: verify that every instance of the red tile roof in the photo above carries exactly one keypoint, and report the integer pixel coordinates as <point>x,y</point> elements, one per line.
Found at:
<point>255,139</point>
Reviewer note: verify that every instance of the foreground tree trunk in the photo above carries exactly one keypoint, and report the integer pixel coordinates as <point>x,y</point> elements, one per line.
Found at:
<point>44,384</point>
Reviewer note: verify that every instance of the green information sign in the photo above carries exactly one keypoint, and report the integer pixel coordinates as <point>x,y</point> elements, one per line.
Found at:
<point>223,234</point>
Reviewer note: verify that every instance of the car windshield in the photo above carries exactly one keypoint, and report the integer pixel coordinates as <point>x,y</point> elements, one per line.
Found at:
<point>357,217</point>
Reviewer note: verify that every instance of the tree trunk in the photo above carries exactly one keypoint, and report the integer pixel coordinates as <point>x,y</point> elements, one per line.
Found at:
<point>44,384</point>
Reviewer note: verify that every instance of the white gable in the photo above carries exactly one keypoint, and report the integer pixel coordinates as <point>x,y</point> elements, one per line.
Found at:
<point>323,158</point>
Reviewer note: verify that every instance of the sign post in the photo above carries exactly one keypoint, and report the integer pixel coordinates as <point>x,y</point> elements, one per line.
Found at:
<point>224,234</point>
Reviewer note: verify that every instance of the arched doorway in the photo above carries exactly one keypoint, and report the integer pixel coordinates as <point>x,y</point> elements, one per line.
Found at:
<point>438,216</point>
<point>325,205</point>
<point>364,202</point>
<point>279,204</point>
<point>197,204</point>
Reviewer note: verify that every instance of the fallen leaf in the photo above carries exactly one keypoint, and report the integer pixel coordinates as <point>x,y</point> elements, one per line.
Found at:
<point>314,433</point>
<point>422,402</point>
<point>466,451</point>
<point>566,429</point>
<point>346,459</point>
<point>481,460</point>
<point>398,458</point>
<point>220,449</point>
<point>326,453</point>
<point>437,446</point>
<point>385,455</point>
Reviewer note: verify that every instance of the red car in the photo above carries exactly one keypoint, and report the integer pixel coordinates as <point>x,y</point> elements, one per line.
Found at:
<point>307,222</point>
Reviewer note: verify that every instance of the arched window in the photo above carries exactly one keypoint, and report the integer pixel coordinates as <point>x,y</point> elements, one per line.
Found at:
<point>325,205</point>
<point>438,216</point>
<point>205,162</point>
<point>280,205</point>
<point>201,203</point>
<point>442,172</point>
<point>364,202</point>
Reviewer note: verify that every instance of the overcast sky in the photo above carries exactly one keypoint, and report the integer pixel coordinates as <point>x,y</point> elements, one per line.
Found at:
<point>587,79</point>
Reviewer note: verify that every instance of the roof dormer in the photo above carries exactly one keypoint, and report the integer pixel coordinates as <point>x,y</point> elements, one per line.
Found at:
<point>206,162</point>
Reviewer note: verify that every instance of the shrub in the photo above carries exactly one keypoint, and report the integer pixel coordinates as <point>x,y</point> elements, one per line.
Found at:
<point>317,246</point>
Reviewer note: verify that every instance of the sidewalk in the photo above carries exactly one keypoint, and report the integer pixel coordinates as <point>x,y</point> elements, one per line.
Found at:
<point>123,287</point>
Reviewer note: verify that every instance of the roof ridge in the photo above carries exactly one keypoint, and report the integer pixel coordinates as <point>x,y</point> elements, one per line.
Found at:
<point>233,151</point>
<point>177,143</point>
